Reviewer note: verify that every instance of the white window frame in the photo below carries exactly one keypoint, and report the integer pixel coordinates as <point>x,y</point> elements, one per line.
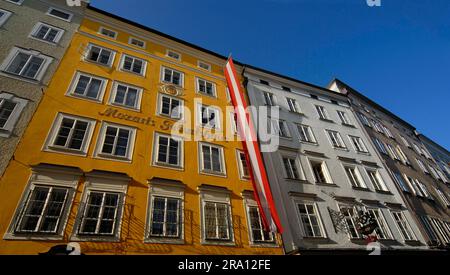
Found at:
<point>209,109</point>
<point>281,128</point>
<point>404,224</point>
<point>393,152</point>
<point>163,70</point>
<point>5,17</point>
<point>356,176</point>
<point>18,2</point>
<point>202,169</point>
<point>267,96</point>
<point>360,142</point>
<point>405,141</point>
<point>213,87</point>
<point>422,166</point>
<point>167,191</point>
<point>76,79</point>
<point>325,171</point>
<point>56,126</point>
<point>40,177</point>
<point>170,115</point>
<point>404,186</point>
<point>364,119</point>
<point>380,184</point>
<point>348,217</point>
<point>15,51</point>
<point>202,63</point>
<point>101,139</point>
<point>322,112</point>
<point>442,197</point>
<point>130,41</point>
<point>122,64</point>
<point>216,197</point>
<point>271,241</point>
<point>293,105</point>
<point>102,29</point>
<point>39,25</point>
<point>241,165</point>
<point>111,60</point>
<point>344,118</point>
<point>381,147</point>
<point>180,152</point>
<point>21,103</point>
<point>306,132</point>
<point>137,104</point>
<point>381,222</point>
<point>288,171</point>
<point>335,135</point>
<point>316,214</point>
<point>102,184</point>
<point>402,155</point>
<point>169,52</point>
<point>60,10</point>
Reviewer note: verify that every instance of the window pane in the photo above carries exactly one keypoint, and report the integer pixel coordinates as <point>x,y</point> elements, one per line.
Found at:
<point>32,67</point>
<point>18,63</point>
<point>131,97</point>
<point>6,109</point>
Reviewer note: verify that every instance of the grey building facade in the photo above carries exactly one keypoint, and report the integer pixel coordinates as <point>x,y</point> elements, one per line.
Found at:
<point>34,36</point>
<point>419,179</point>
<point>326,171</point>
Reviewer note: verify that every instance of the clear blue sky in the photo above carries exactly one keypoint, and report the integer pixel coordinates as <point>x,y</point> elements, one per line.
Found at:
<point>397,54</point>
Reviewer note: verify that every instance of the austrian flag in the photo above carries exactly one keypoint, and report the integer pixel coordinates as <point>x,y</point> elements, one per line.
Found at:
<point>258,173</point>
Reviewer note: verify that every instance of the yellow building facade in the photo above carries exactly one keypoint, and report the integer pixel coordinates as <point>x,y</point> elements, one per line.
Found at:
<point>99,165</point>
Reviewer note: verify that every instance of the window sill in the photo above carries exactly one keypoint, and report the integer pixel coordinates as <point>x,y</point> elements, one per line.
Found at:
<point>264,245</point>
<point>316,239</point>
<point>349,125</point>
<point>341,149</point>
<point>98,101</point>
<point>44,41</point>
<point>95,238</point>
<point>114,158</point>
<point>326,184</point>
<point>210,173</point>
<point>309,143</point>
<point>131,72</point>
<point>5,133</point>
<point>24,79</point>
<point>219,243</point>
<point>363,153</point>
<point>326,120</point>
<point>163,240</point>
<point>361,189</point>
<point>168,166</point>
<point>298,181</point>
<point>384,192</point>
<point>98,63</point>
<point>55,149</point>
<point>134,109</point>
<point>297,113</point>
<point>31,237</point>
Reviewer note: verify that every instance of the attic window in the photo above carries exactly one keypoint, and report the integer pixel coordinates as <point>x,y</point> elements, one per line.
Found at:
<point>174,55</point>
<point>264,82</point>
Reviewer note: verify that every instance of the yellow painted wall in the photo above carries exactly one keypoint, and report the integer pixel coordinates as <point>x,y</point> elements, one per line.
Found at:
<point>30,152</point>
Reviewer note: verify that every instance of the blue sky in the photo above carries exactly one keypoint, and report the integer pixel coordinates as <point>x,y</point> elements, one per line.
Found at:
<point>397,54</point>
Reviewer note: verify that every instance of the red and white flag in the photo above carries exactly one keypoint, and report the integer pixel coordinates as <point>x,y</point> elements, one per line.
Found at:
<point>258,173</point>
